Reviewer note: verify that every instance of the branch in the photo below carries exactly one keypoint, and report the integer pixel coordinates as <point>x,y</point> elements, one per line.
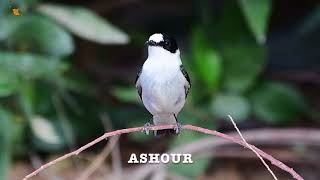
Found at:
<point>244,140</point>
<point>160,127</point>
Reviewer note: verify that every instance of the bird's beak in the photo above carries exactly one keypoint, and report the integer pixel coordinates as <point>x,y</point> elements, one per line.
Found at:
<point>151,43</point>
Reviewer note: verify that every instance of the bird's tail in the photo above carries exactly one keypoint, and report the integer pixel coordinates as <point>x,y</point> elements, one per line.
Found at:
<point>165,132</point>
<point>164,119</point>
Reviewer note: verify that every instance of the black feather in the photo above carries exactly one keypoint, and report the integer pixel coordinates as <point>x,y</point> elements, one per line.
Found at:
<point>139,88</point>
<point>165,132</point>
<point>185,74</point>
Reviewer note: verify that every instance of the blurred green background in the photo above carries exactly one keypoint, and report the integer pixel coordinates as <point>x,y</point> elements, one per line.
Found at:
<point>67,71</point>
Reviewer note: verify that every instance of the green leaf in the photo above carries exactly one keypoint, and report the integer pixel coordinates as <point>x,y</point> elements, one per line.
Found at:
<point>46,134</point>
<point>8,82</point>
<point>27,97</point>
<point>277,103</point>
<point>85,24</point>
<point>310,23</point>
<point>64,121</point>
<point>128,95</point>
<point>207,61</point>
<point>3,7</point>
<point>210,69</point>
<point>8,25</point>
<point>31,66</point>
<point>243,59</point>
<point>40,35</point>
<point>242,63</point>
<point>19,143</point>
<point>199,42</point>
<point>74,80</point>
<point>5,142</point>
<point>257,15</point>
<point>236,106</point>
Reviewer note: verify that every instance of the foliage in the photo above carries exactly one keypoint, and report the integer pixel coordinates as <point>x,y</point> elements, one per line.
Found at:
<point>85,24</point>
<point>36,80</point>
<point>277,103</point>
<point>5,139</point>
<point>235,105</point>
<point>257,14</point>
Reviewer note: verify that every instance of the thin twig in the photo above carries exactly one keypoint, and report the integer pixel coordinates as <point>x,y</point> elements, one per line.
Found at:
<point>36,162</point>
<point>248,145</point>
<point>160,127</point>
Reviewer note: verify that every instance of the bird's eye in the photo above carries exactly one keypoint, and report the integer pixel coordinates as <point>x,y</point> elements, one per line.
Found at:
<point>166,43</point>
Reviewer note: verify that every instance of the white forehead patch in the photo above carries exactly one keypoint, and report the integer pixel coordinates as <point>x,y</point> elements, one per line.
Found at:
<point>156,37</point>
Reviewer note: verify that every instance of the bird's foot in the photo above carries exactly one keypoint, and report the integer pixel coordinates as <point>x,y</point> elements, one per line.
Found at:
<point>177,128</point>
<point>146,128</point>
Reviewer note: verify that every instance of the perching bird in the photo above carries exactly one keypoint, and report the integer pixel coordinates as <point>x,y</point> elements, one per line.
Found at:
<point>163,83</point>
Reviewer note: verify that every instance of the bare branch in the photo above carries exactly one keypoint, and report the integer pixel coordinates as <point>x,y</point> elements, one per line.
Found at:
<point>248,145</point>
<point>160,127</point>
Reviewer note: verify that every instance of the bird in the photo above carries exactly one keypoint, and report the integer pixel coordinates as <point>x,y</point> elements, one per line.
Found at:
<point>163,83</point>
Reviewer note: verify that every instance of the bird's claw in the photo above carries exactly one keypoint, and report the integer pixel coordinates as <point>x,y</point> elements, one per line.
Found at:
<point>178,128</point>
<point>146,128</point>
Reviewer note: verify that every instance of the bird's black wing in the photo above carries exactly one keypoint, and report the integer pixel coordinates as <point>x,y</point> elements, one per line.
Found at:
<point>138,86</point>
<point>185,74</point>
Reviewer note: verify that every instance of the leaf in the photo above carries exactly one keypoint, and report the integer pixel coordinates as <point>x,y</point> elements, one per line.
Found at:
<point>40,35</point>
<point>243,59</point>
<point>5,142</point>
<point>210,68</point>
<point>27,97</point>
<point>243,63</point>
<point>8,82</point>
<point>31,66</point>
<point>257,15</point>
<point>46,135</point>
<point>19,143</point>
<point>234,105</point>
<point>64,122</point>
<point>310,23</point>
<point>8,25</point>
<point>128,95</point>
<point>207,61</point>
<point>74,80</point>
<point>199,42</point>
<point>85,24</point>
<point>277,103</point>
<point>3,7</point>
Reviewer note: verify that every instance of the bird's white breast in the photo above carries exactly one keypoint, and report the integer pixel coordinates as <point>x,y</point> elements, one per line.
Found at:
<point>162,85</point>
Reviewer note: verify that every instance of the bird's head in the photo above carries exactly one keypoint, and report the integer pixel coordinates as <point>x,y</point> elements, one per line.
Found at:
<point>162,44</point>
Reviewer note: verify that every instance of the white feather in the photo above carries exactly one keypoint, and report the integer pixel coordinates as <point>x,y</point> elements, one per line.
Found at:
<point>156,37</point>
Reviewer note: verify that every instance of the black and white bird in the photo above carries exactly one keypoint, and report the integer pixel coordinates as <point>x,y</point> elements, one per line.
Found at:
<point>163,83</point>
